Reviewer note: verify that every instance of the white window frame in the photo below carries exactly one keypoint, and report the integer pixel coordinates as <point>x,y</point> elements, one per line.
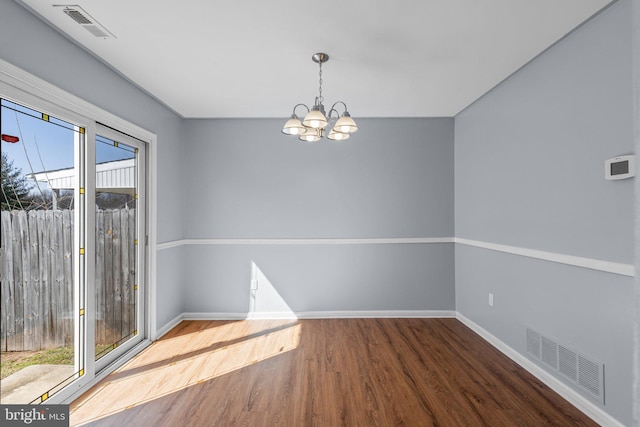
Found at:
<point>23,87</point>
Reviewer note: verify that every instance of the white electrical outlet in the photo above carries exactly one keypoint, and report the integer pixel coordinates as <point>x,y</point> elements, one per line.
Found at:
<point>490,299</point>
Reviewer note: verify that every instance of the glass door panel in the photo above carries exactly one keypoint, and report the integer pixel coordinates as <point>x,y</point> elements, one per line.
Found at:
<point>41,262</point>
<point>119,254</point>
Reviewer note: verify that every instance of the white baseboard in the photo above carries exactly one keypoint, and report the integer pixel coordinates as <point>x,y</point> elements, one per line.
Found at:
<point>573,397</point>
<point>375,314</point>
<point>169,326</point>
<point>318,315</point>
<point>272,315</point>
<point>305,315</point>
<point>214,316</point>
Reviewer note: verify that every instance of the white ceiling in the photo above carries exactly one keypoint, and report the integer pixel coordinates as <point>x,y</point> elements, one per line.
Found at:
<point>252,58</point>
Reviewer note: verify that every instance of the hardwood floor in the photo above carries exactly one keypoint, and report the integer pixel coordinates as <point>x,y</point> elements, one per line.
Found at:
<point>337,372</point>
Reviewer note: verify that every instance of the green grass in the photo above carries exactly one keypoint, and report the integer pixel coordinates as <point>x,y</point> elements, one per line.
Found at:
<point>101,347</point>
<point>11,362</point>
<point>55,356</point>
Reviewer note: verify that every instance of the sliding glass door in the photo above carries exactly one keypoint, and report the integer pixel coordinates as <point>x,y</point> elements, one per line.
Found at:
<point>73,250</point>
<point>120,225</point>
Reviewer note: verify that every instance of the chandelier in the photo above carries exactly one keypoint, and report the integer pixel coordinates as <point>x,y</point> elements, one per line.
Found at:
<point>316,122</point>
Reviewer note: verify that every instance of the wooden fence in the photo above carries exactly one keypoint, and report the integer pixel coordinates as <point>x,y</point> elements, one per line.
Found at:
<point>37,278</point>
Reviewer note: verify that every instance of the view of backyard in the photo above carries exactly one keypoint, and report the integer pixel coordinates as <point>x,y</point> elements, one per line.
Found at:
<point>13,361</point>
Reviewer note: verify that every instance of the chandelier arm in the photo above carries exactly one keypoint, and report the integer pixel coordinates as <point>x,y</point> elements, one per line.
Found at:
<point>333,107</point>
<point>298,105</point>
<point>331,111</point>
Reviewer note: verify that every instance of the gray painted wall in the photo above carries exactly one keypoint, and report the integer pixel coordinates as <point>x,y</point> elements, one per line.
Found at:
<point>530,157</point>
<point>38,49</point>
<point>529,162</point>
<point>393,178</point>
<point>329,278</point>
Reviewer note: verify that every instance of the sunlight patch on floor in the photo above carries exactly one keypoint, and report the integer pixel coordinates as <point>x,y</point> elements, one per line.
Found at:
<point>142,380</point>
<point>171,346</point>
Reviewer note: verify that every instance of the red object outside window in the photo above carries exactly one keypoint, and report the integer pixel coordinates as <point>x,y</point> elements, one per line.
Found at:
<point>10,138</point>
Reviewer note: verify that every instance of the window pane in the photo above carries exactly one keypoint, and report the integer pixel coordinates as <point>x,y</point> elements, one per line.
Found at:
<point>40,321</point>
<point>116,237</point>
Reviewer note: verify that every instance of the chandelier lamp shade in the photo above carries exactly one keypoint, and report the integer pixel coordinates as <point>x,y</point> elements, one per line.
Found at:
<point>317,123</point>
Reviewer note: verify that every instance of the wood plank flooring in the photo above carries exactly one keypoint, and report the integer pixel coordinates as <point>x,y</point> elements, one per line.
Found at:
<point>334,372</point>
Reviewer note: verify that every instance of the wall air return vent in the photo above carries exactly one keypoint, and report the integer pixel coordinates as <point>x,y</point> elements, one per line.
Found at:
<point>534,343</point>
<point>584,373</point>
<point>567,363</point>
<point>82,18</point>
<point>550,353</point>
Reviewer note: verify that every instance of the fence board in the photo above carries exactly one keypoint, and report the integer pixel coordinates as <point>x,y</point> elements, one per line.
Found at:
<point>45,224</point>
<point>7,282</point>
<point>69,278</point>
<point>100,291</point>
<point>32,331</point>
<point>58,274</point>
<point>108,277</point>
<point>17,339</point>
<point>127,286</point>
<point>117,276</point>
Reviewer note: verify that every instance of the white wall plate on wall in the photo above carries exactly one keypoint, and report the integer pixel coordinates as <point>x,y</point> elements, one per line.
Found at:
<point>620,167</point>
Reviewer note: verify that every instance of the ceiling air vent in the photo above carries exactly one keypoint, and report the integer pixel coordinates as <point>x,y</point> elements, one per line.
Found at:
<point>85,20</point>
<point>77,16</point>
